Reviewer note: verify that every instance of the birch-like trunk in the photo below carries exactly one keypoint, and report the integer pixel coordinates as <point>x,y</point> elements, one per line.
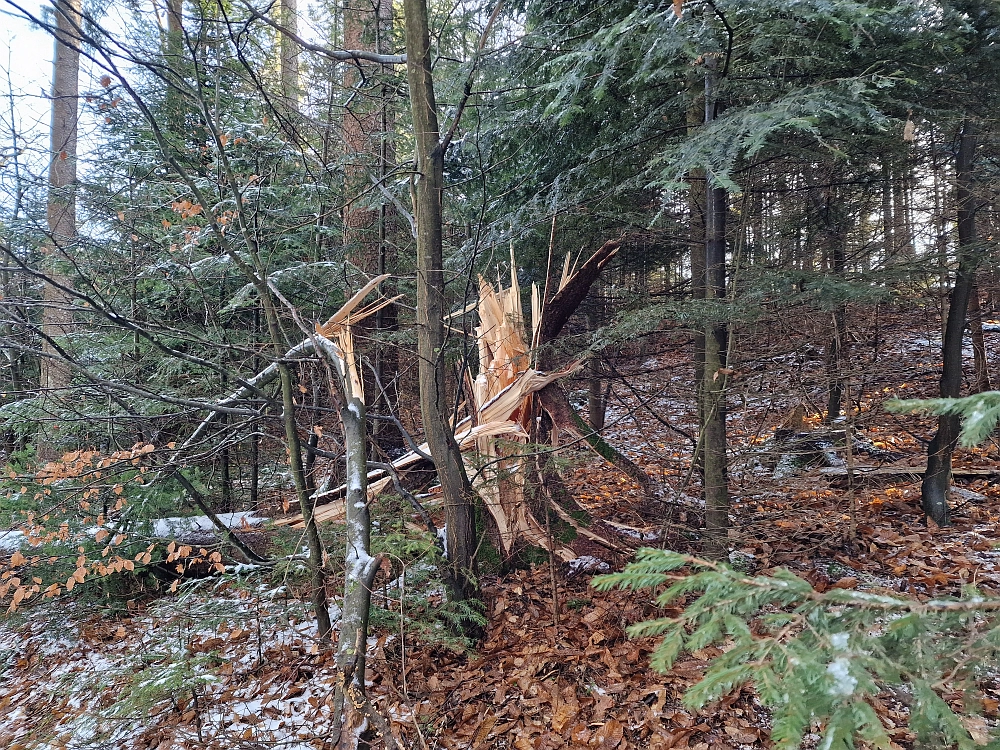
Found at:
<point>359,572</point>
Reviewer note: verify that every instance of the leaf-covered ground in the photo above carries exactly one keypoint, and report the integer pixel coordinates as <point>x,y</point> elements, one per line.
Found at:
<point>232,661</point>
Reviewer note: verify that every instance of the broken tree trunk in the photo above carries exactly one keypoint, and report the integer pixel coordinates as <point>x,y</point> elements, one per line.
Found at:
<point>553,316</point>
<point>506,396</point>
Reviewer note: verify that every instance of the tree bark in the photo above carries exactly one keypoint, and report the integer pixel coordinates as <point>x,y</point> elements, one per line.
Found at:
<point>360,570</point>
<point>713,383</point>
<point>937,478</point>
<point>428,186</point>
<point>290,54</point>
<point>370,234</point>
<point>57,316</point>
<point>174,53</point>
<point>981,364</point>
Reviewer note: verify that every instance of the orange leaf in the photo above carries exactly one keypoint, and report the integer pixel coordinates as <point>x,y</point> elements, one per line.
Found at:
<point>846,583</point>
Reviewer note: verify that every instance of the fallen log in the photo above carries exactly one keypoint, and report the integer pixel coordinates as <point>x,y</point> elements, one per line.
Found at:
<point>867,472</point>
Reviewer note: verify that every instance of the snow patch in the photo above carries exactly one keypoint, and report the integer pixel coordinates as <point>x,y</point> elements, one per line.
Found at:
<point>839,641</point>
<point>844,682</point>
<point>11,540</point>
<point>180,525</point>
<point>587,564</point>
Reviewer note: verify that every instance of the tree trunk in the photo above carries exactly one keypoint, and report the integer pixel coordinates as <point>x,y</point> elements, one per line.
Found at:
<point>360,570</point>
<point>903,237</point>
<point>428,185</point>
<point>174,53</point>
<point>713,384</point>
<point>937,479</point>
<point>290,55</point>
<point>982,370</point>
<point>370,233</point>
<point>597,404</point>
<point>834,238</point>
<point>888,233</point>
<point>315,543</point>
<point>57,317</point>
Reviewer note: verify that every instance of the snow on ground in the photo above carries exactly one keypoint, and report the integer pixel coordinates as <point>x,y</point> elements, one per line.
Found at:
<point>172,527</point>
<point>228,661</point>
<point>167,528</point>
<point>11,540</point>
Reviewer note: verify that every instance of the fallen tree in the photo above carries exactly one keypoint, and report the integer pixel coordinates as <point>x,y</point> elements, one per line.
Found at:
<point>508,397</point>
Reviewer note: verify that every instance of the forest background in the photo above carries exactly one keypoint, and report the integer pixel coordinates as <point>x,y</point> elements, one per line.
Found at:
<point>401,277</point>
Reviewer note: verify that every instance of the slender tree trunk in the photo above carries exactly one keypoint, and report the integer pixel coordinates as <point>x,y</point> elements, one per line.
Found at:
<point>360,570</point>
<point>834,239</point>
<point>596,395</point>
<point>290,54</point>
<point>713,384</point>
<point>937,478</point>
<point>174,52</point>
<point>428,185</point>
<point>982,370</point>
<point>900,213</point>
<point>835,364</point>
<point>697,208</point>
<point>57,317</point>
<point>888,233</point>
<point>315,543</point>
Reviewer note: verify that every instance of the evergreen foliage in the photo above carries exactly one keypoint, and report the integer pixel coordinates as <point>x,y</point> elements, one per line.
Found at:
<point>979,412</point>
<point>821,660</point>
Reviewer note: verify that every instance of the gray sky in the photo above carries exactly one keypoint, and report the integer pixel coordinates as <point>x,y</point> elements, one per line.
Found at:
<point>25,76</point>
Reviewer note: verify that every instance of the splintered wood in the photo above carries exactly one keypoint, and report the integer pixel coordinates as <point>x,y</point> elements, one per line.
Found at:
<point>504,395</point>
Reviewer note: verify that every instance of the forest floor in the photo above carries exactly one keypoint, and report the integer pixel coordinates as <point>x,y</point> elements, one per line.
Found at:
<point>232,661</point>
